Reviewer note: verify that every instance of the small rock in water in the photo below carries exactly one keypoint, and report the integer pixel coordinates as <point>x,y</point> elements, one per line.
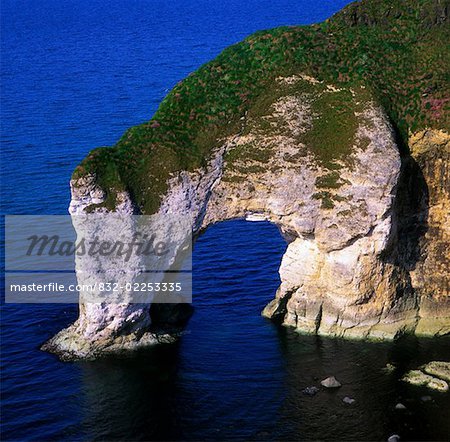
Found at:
<point>389,368</point>
<point>438,369</point>
<point>310,391</point>
<point>348,400</point>
<point>394,438</point>
<point>426,398</point>
<point>331,382</point>
<point>400,406</point>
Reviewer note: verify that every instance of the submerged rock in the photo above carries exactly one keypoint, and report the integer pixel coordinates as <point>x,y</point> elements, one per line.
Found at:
<point>394,438</point>
<point>438,369</point>
<point>331,382</point>
<point>417,377</point>
<point>389,368</point>
<point>310,391</point>
<point>348,400</point>
<point>400,406</point>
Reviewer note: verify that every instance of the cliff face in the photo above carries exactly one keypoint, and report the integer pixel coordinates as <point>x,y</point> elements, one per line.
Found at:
<point>430,276</point>
<point>346,153</point>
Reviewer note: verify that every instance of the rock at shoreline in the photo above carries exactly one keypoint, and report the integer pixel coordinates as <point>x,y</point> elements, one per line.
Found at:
<point>400,406</point>
<point>417,377</point>
<point>331,382</point>
<point>438,369</point>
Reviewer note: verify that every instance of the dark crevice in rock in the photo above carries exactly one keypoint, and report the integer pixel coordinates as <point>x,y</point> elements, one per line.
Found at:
<point>409,211</point>
<point>318,319</point>
<point>410,216</point>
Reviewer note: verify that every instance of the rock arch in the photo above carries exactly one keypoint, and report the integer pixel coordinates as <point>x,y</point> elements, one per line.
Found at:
<point>341,274</point>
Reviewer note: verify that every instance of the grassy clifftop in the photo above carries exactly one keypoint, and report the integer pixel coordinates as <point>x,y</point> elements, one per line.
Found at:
<point>398,49</point>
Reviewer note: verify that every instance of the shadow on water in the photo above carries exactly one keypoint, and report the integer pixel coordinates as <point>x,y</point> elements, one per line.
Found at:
<point>361,368</point>
<point>132,397</point>
<point>155,395</point>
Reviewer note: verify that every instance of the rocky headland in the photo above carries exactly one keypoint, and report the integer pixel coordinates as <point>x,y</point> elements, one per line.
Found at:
<point>338,133</point>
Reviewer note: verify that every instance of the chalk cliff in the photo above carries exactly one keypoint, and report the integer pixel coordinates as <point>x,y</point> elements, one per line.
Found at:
<point>337,133</point>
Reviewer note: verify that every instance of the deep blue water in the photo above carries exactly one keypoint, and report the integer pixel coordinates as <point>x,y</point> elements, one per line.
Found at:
<point>75,75</point>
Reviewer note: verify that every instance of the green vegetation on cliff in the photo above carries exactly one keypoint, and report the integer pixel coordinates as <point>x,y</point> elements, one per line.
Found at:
<point>398,49</point>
